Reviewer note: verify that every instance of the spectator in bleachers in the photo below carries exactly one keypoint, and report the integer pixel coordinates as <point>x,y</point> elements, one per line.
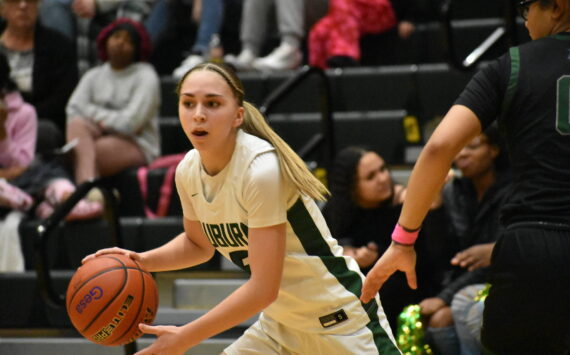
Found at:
<point>472,203</point>
<point>81,20</point>
<point>114,110</point>
<point>334,41</point>
<point>26,180</point>
<point>71,17</point>
<point>209,15</point>
<point>43,66</point>
<point>24,175</point>
<point>364,205</point>
<point>293,17</point>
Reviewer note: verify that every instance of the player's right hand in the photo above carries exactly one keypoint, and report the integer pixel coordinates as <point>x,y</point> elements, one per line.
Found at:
<point>397,257</point>
<point>115,250</point>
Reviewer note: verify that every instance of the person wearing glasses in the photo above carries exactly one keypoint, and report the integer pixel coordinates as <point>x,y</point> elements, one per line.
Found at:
<point>527,91</point>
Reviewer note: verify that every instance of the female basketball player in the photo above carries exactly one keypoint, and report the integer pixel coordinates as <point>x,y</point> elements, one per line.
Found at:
<point>528,90</point>
<point>245,193</point>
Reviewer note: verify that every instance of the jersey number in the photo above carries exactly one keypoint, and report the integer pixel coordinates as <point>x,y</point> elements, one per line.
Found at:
<point>563,105</point>
<point>240,259</point>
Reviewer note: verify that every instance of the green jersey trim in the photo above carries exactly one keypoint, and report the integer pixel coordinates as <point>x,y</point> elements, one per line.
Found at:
<point>314,244</point>
<point>514,53</point>
<point>563,37</point>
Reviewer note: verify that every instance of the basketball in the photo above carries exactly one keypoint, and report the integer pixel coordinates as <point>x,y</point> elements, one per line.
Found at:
<point>108,297</point>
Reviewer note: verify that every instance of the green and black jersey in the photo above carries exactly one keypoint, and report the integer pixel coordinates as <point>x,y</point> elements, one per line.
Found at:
<point>528,91</point>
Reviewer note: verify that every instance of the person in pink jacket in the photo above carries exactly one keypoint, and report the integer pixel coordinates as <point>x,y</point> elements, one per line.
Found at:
<point>25,178</point>
<point>335,40</point>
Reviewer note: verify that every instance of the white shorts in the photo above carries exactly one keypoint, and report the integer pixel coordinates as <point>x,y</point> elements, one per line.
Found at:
<point>266,337</point>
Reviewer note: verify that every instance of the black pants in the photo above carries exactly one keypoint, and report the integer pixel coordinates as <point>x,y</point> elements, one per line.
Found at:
<point>528,307</point>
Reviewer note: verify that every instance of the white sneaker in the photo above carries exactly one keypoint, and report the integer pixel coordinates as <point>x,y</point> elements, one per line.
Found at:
<point>190,62</point>
<point>243,61</point>
<point>284,57</point>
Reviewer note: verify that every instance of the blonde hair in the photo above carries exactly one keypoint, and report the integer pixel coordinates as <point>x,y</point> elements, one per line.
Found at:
<point>293,168</point>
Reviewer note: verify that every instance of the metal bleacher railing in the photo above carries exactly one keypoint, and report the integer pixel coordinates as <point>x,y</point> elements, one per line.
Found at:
<point>44,232</point>
<point>508,30</point>
<point>324,139</point>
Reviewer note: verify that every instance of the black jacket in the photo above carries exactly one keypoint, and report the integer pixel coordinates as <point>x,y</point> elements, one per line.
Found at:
<point>55,74</point>
<point>471,223</point>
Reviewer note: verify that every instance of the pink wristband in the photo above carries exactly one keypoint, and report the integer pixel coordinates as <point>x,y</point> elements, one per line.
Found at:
<point>402,236</point>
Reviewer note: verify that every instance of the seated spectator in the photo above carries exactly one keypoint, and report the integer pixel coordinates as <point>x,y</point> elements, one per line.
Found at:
<point>291,26</point>
<point>364,205</point>
<point>472,203</point>
<point>113,112</point>
<point>44,79</point>
<point>80,21</point>
<point>26,180</point>
<point>78,17</point>
<point>335,40</point>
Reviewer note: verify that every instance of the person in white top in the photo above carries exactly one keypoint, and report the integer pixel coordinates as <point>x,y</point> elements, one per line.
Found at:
<point>246,194</point>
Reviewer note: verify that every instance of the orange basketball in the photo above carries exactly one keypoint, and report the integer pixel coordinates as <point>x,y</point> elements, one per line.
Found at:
<point>108,297</point>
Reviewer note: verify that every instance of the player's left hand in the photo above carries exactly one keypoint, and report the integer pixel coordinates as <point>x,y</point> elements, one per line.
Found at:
<point>168,340</point>
<point>397,257</point>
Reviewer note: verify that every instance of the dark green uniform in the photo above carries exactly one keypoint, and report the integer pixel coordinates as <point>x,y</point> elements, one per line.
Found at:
<point>528,91</point>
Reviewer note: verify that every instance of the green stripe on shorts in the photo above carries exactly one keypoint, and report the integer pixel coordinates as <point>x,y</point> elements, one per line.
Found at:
<point>315,245</point>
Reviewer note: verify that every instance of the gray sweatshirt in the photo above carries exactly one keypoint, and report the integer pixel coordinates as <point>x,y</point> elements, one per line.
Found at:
<point>124,101</point>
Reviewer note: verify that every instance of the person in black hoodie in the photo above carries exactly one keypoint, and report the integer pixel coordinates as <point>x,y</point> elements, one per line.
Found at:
<point>43,65</point>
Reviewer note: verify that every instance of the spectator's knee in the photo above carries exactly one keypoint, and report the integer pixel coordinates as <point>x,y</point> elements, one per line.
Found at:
<point>442,318</point>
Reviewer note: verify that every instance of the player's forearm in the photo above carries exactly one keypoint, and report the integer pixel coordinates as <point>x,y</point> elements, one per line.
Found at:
<point>459,126</point>
<point>425,184</point>
<point>179,253</point>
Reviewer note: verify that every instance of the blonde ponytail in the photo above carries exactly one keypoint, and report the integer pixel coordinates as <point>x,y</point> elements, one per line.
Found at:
<point>293,167</point>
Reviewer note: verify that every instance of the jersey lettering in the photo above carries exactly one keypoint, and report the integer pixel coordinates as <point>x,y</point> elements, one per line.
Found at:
<point>563,105</point>
<point>226,234</point>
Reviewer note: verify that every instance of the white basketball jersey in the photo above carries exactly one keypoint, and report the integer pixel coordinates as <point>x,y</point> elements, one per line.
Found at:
<point>320,287</point>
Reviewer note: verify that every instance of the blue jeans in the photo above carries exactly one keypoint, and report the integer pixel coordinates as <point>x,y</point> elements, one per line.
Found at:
<point>443,340</point>
<point>57,15</point>
<point>157,21</point>
<point>468,316</point>
<point>210,24</point>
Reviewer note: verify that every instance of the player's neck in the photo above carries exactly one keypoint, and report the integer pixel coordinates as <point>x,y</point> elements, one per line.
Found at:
<point>214,161</point>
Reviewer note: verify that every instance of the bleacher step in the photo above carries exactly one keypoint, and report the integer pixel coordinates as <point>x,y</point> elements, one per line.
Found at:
<point>203,294</point>
<point>74,346</point>
<point>177,316</point>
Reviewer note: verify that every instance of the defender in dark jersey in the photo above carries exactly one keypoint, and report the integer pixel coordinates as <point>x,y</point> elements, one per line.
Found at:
<point>528,91</point>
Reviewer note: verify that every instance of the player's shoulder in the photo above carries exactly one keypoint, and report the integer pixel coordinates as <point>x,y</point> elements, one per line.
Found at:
<point>250,144</point>
<point>188,162</point>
